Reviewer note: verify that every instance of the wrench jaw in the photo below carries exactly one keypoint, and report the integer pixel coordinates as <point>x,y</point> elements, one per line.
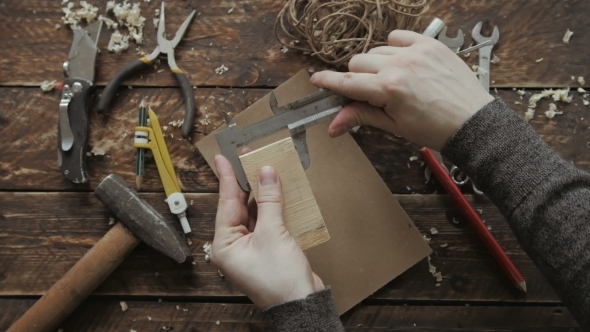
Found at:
<point>452,43</point>
<point>476,34</point>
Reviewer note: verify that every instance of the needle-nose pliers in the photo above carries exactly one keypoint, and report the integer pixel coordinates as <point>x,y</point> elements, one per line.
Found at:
<point>165,47</point>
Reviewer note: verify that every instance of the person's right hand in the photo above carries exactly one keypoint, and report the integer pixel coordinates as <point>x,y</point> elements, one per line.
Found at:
<point>415,87</point>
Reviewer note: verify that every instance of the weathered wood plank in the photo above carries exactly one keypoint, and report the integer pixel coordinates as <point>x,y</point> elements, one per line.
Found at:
<point>97,314</point>
<point>43,234</point>
<point>28,126</point>
<point>243,40</point>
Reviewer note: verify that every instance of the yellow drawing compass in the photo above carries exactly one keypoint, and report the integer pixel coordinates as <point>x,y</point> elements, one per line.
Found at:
<point>153,139</point>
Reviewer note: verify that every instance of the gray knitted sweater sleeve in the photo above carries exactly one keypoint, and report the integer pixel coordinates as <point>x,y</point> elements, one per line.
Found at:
<point>545,199</point>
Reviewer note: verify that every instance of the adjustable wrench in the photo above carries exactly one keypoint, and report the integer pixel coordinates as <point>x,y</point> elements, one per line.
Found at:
<point>485,53</point>
<point>454,44</point>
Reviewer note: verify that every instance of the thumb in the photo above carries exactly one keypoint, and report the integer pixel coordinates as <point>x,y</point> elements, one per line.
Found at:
<point>269,199</point>
<point>361,114</point>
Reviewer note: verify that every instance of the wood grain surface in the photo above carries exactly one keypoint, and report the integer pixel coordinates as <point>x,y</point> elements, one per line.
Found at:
<point>301,212</point>
<point>28,159</point>
<point>99,314</point>
<point>33,50</point>
<point>38,245</point>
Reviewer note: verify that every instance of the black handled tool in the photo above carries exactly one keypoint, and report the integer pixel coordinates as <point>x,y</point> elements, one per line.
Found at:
<point>72,130</point>
<point>165,47</point>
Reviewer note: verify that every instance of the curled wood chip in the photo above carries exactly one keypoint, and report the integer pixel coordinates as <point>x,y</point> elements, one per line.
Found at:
<point>539,60</point>
<point>97,151</point>
<point>111,221</point>
<point>124,306</point>
<point>581,80</point>
<point>413,158</point>
<point>585,102</point>
<point>221,70</point>
<point>48,85</point>
<point>567,36</point>
<point>550,114</point>
<point>495,59</point>
<point>284,49</point>
<point>581,90</point>
<point>433,231</point>
<point>207,251</point>
<point>444,245</point>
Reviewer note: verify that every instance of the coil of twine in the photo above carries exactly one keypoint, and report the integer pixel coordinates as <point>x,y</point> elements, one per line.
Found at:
<point>335,31</point>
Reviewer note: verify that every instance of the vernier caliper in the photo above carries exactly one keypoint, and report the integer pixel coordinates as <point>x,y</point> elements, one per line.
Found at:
<point>296,117</point>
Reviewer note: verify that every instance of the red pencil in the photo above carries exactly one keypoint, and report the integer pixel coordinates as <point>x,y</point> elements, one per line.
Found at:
<point>473,218</point>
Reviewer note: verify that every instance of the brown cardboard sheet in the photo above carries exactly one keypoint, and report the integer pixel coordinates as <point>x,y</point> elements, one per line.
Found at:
<point>372,238</point>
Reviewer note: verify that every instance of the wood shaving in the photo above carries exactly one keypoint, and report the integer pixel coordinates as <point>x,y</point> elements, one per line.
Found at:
<point>185,310</point>
<point>413,158</point>
<point>124,306</point>
<point>217,322</point>
<point>97,151</point>
<point>581,80</point>
<point>130,16</point>
<point>220,274</point>
<point>311,69</point>
<point>408,187</point>
<point>221,70</point>
<point>149,318</point>
<point>444,245</point>
<point>132,330</point>
<point>489,228</point>
<point>581,90</point>
<point>426,238</point>
<point>284,49</point>
<point>73,18</point>
<point>438,276</point>
<point>118,42</point>
<point>520,92</point>
<point>47,86</point>
<point>455,221</point>
<point>539,60</point>
<point>207,251</point>
<point>111,221</point>
<point>567,36</point>
<point>177,307</point>
<point>229,12</point>
<point>433,231</point>
<point>57,26</point>
<point>156,22</point>
<point>478,70</point>
<point>167,328</point>
<point>585,102</point>
<point>517,102</point>
<point>559,94</point>
<point>552,112</point>
<point>495,59</point>
<point>431,268</point>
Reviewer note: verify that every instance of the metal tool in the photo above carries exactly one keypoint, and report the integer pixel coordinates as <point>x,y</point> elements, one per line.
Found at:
<point>296,117</point>
<point>166,48</point>
<point>72,133</point>
<point>485,53</point>
<point>153,139</point>
<point>452,43</point>
<point>475,47</point>
<point>138,221</point>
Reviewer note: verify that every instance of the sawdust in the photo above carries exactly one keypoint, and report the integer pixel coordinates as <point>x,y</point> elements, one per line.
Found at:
<point>552,112</point>
<point>118,42</point>
<point>73,18</point>
<point>221,70</point>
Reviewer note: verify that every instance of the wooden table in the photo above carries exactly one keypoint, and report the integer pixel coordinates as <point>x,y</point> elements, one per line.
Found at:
<point>47,223</point>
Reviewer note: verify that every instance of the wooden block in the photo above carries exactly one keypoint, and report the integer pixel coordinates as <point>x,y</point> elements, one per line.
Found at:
<point>301,213</point>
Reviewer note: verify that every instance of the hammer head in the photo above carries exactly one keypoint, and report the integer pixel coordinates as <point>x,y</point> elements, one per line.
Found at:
<point>141,218</point>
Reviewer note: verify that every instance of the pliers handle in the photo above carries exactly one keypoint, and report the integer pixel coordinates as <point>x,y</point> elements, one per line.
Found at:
<point>139,65</point>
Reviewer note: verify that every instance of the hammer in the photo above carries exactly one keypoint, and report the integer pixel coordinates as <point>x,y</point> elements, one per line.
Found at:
<point>138,220</point>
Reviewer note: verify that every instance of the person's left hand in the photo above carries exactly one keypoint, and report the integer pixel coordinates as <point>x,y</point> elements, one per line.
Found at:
<point>254,250</point>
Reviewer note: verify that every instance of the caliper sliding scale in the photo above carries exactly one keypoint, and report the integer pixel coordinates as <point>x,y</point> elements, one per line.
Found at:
<point>296,117</point>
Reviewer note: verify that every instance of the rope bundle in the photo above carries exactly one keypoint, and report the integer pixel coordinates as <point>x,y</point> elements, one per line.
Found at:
<point>336,30</point>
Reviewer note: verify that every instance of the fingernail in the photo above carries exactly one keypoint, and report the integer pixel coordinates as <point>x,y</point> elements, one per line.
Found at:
<point>268,176</point>
<point>338,131</point>
<point>312,78</point>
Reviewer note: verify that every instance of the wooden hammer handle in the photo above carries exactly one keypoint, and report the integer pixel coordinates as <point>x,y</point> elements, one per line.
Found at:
<point>81,280</point>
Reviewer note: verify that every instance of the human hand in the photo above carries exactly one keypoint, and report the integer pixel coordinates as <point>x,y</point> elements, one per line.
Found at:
<point>252,248</point>
<point>415,87</point>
